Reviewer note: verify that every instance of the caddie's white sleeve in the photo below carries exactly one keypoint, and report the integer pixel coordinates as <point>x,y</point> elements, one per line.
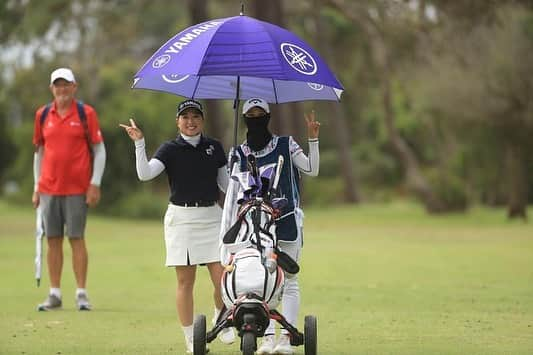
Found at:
<point>309,166</point>
<point>146,170</point>
<point>37,159</point>
<point>99,158</point>
<point>222,178</point>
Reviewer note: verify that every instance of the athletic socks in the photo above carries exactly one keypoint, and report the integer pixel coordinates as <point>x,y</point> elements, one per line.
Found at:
<point>56,292</point>
<point>188,331</point>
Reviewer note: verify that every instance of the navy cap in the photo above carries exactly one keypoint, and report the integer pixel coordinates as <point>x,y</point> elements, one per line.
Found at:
<point>189,104</point>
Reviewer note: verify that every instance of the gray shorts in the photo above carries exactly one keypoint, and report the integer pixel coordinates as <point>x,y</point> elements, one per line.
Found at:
<point>59,211</point>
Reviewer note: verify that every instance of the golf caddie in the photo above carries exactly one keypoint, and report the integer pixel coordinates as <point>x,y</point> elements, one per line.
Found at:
<point>266,148</point>
<point>69,162</point>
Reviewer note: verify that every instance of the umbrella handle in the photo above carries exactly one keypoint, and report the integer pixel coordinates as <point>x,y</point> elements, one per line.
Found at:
<point>234,157</point>
<point>236,112</point>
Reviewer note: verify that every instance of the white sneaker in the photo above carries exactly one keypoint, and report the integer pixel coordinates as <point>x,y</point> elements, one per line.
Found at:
<point>188,345</point>
<point>52,302</point>
<point>82,301</point>
<point>284,345</point>
<point>267,345</point>
<point>227,336</point>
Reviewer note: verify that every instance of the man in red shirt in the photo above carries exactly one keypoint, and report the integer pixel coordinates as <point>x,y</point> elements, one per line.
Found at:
<point>69,163</point>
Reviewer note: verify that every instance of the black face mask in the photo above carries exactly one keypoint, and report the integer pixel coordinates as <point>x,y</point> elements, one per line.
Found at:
<point>258,134</point>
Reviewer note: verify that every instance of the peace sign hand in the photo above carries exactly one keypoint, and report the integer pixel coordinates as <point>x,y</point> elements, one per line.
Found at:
<point>313,126</point>
<point>132,131</point>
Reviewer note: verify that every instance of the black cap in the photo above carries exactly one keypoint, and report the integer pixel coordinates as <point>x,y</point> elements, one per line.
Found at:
<point>189,104</point>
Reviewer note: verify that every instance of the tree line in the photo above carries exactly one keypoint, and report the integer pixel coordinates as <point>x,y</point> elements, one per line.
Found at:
<point>438,101</point>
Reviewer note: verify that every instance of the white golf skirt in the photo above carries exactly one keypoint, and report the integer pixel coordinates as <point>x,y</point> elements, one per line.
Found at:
<point>192,235</point>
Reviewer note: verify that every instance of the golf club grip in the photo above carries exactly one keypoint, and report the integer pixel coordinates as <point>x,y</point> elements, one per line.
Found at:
<point>252,166</point>
<point>278,172</point>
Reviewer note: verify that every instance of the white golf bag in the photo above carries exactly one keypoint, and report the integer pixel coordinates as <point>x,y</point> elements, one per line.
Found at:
<point>253,280</point>
<point>250,270</point>
<point>254,264</point>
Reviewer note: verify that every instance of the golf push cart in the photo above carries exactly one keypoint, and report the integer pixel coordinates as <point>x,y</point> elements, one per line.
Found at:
<point>253,280</point>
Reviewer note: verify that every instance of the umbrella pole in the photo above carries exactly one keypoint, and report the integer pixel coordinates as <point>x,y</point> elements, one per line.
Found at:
<point>235,123</point>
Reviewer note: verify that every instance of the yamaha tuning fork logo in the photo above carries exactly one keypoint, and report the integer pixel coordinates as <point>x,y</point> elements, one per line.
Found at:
<point>161,61</point>
<point>298,58</point>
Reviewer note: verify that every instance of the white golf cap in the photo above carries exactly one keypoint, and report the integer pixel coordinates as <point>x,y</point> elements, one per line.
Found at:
<point>248,104</point>
<point>62,73</point>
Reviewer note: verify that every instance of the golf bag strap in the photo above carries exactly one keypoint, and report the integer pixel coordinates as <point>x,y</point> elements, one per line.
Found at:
<point>44,113</point>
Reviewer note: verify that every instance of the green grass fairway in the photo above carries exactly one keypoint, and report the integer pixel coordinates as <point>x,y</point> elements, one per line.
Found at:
<point>381,279</point>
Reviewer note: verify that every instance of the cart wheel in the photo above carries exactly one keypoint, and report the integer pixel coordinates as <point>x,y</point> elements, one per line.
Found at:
<point>248,343</point>
<point>199,335</point>
<point>310,335</point>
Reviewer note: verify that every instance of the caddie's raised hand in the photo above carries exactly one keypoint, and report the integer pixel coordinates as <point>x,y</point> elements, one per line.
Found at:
<point>133,131</point>
<point>313,126</point>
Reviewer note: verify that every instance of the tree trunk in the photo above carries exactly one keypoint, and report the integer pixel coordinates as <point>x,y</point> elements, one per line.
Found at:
<point>516,182</point>
<point>272,11</point>
<point>296,120</point>
<point>416,181</point>
<point>298,129</point>
<point>338,118</point>
<point>344,145</point>
<point>279,120</point>
<point>215,126</point>
<point>89,61</point>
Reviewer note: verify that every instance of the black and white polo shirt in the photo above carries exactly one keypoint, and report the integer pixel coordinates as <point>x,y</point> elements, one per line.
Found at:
<point>192,171</point>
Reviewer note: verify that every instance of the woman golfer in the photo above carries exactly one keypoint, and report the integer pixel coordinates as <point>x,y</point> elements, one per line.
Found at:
<point>196,170</point>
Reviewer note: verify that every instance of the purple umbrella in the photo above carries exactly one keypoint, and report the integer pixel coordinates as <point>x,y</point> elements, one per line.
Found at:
<point>209,61</point>
<point>239,58</point>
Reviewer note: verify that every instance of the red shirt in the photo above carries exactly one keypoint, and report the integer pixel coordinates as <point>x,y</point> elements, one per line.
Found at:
<point>66,167</point>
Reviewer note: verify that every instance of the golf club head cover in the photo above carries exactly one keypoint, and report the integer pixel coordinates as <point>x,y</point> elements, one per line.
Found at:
<point>232,233</point>
<point>286,262</point>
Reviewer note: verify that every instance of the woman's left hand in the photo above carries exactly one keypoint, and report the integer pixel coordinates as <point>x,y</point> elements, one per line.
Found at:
<point>313,126</point>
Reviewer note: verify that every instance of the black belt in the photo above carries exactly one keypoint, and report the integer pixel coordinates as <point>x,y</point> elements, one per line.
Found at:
<point>196,204</point>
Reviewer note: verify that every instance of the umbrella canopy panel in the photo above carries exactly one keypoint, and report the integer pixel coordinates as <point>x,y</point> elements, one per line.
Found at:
<point>205,60</point>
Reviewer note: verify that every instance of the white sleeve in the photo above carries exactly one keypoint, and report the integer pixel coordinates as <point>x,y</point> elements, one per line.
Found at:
<point>308,166</point>
<point>146,170</point>
<point>222,178</point>
<point>37,159</point>
<point>99,158</point>
<point>229,214</point>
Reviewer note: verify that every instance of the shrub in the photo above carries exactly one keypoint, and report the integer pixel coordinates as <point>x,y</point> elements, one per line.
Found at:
<point>450,190</point>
